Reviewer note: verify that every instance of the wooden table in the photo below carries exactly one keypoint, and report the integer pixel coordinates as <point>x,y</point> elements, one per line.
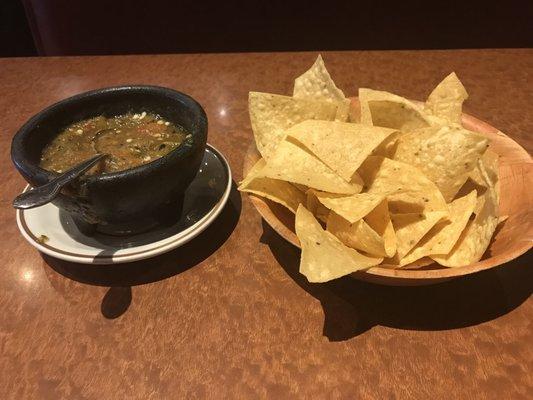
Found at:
<point>228,315</point>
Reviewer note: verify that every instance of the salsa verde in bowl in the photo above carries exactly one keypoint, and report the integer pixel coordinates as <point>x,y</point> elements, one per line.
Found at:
<point>136,192</point>
<point>127,140</point>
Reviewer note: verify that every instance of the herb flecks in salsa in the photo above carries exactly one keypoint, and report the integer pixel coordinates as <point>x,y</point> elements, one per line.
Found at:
<point>130,140</point>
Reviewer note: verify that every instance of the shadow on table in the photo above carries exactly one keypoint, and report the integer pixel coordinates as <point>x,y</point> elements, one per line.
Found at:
<point>352,307</point>
<point>120,277</point>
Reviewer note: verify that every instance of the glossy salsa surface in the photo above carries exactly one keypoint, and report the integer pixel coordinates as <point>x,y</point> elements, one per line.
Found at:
<point>130,140</point>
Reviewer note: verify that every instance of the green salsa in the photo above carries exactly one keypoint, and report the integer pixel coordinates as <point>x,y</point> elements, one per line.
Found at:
<point>130,140</point>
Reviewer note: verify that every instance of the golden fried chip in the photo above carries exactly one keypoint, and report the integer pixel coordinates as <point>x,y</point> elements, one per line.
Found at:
<point>343,111</point>
<point>374,234</point>
<point>379,220</point>
<point>301,188</point>
<point>476,237</point>
<point>446,100</point>
<point>316,83</point>
<point>490,169</point>
<point>292,163</point>
<point>342,146</point>
<point>445,155</point>
<point>443,236</point>
<point>388,147</point>
<point>353,207</point>
<point>278,191</point>
<point>358,235</point>
<point>410,228</point>
<point>486,173</point>
<point>490,161</point>
<point>385,109</point>
<point>477,176</point>
<point>324,257</point>
<point>407,189</point>
<point>272,114</point>
<point>316,207</point>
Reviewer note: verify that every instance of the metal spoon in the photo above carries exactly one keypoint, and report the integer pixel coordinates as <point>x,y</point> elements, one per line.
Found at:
<point>46,193</point>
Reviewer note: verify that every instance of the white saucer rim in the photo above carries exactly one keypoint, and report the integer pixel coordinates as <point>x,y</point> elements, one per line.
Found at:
<point>181,237</point>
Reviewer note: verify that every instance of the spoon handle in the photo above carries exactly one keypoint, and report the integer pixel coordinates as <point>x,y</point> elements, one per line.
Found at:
<point>46,193</point>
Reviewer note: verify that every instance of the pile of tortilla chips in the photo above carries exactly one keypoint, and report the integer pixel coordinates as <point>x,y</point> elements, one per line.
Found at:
<point>387,182</point>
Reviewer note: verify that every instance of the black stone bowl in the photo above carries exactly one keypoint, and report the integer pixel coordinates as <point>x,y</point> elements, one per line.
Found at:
<point>129,201</point>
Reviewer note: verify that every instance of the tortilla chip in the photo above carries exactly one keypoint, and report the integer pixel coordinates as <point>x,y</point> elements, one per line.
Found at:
<point>343,111</point>
<point>406,188</point>
<point>388,147</point>
<point>278,191</point>
<point>490,161</point>
<point>316,83</point>
<point>342,146</point>
<point>358,235</point>
<point>486,173</point>
<point>293,163</point>
<point>316,207</point>
<point>475,238</point>
<point>379,220</point>
<point>301,188</point>
<point>410,228</point>
<point>324,257</point>
<point>388,110</point>
<point>353,207</point>
<point>272,114</point>
<point>490,169</point>
<point>446,100</point>
<point>446,155</point>
<point>477,176</point>
<point>443,236</point>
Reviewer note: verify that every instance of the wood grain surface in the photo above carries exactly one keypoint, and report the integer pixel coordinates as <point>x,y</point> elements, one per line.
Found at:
<point>228,315</point>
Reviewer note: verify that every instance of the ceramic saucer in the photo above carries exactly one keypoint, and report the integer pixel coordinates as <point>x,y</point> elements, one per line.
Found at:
<point>53,232</point>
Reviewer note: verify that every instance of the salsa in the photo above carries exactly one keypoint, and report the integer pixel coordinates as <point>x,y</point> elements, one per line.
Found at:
<point>130,140</point>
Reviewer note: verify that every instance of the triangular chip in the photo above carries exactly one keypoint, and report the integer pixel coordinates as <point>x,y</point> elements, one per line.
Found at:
<point>388,147</point>
<point>316,207</point>
<point>324,257</point>
<point>489,168</point>
<point>301,188</point>
<point>342,146</point>
<point>443,236</point>
<point>490,161</point>
<point>272,114</point>
<point>379,220</point>
<point>343,111</point>
<point>273,189</point>
<point>358,235</point>
<point>446,100</point>
<point>477,176</point>
<point>292,163</point>
<point>353,207</point>
<point>446,155</point>
<point>410,228</point>
<point>476,237</point>
<point>407,189</point>
<point>316,83</point>
<point>486,173</point>
<point>385,109</point>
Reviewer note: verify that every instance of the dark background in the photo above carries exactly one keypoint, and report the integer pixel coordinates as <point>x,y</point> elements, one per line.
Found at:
<point>71,27</point>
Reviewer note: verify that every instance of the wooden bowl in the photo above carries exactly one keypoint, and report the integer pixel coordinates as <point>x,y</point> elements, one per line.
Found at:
<point>512,238</point>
